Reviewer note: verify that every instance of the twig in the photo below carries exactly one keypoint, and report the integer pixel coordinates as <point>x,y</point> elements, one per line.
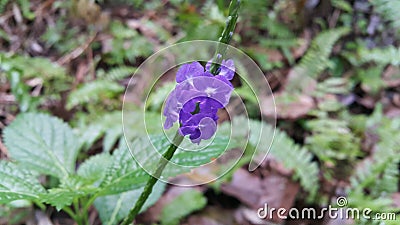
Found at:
<point>3,149</point>
<point>76,52</point>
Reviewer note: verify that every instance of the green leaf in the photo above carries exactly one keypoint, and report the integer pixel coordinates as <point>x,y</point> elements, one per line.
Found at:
<point>111,136</point>
<point>183,205</point>
<point>110,126</point>
<point>283,149</point>
<point>343,5</point>
<point>42,143</point>
<point>118,73</point>
<point>157,97</point>
<point>316,59</point>
<point>113,208</point>
<point>184,159</point>
<point>61,197</point>
<point>94,168</point>
<point>124,174</point>
<point>290,154</point>
<point>17,183</point>
<point>93,92</point>
<point>70,188</point>
<point>389,10</point>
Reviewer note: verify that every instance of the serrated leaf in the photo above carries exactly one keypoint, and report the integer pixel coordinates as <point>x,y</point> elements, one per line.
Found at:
<point>17,183</point>
<point>94,168</point>
<point>110,126</point>
<point>89,135</point>
<point>113,208</point>
<point>125,174</point>
<point>111,136</point>
<point>184,159</point>
<point>61,197</point>
<point>42,143</point>
<point>183,205</point>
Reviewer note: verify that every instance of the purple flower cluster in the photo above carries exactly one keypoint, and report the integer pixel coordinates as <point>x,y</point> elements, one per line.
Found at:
<point>197,97</point>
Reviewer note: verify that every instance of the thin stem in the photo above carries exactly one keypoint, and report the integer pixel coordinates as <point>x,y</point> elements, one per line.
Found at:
<point>89,202</point>
<point>226,36</point>
<point>70,213</point>
<point>153,179</point>
<point>40,205</point>
<point>217,60</point>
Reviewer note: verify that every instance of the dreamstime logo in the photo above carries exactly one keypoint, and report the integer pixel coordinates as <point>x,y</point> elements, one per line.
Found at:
<point>343,212</point>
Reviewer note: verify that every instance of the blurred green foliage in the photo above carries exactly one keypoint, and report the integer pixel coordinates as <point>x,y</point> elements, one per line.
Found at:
<point>342,57</point>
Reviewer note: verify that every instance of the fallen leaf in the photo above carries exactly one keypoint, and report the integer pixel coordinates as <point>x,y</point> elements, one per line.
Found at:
<point>273,189</point>
<point>287,106</point>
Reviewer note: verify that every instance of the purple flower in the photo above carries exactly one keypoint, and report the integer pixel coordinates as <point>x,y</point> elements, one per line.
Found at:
<point>196,99</point>
<point>227,68</point>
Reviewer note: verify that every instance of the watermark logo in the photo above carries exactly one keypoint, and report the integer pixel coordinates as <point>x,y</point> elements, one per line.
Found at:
<point>340,212</point>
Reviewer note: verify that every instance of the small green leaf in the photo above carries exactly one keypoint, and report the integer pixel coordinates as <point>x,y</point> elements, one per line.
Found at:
<point>17,183</point>
<point>42,143</point>
<point>186,203</point>
<point>94,168</point>
<point>113,208</point>
<point>61,197</point>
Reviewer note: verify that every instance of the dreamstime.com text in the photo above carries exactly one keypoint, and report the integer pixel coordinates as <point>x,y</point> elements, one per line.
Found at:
<point>342,212</point>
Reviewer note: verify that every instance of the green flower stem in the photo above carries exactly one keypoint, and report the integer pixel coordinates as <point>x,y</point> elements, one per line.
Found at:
<point>153,179</point>
<point>71,213</point>
<point>219,55</point>
<point>226,36</point>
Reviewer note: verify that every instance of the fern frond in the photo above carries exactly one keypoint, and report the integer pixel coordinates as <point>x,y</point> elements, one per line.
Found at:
<point>316,59</point>
<point>93,92</point>
<point>3,4</point>
<point>380,173</point>
<point>389,10</point>
<point>382,56</point>
<point>299,159</point>
<point>119,73</point>
<point>291,155</point>
<point>25,8</point>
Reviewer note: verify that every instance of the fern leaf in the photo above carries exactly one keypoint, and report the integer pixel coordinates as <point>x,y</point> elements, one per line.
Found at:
<point>316,59</point>
<point>389,10</point>
<point>382,56</point>
<point>283,149</point>
<point>119,73</point>
<point>93,92</point>
<point>3,4</point>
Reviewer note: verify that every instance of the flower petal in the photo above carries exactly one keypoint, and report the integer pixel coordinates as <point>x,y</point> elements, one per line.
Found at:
<point>189,70</point>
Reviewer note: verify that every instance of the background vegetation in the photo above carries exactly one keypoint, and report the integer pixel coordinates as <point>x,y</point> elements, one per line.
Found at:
<point>333,66</point>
